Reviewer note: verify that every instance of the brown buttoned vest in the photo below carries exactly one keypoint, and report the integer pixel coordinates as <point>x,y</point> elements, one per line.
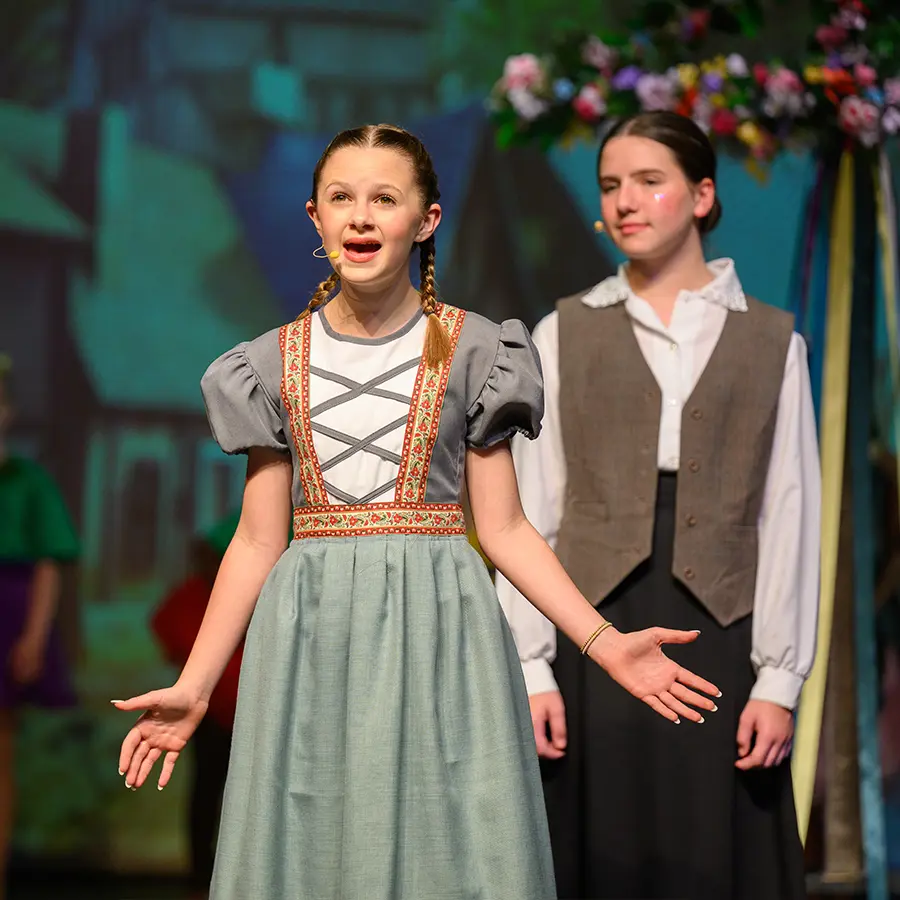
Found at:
<point>609,417</point>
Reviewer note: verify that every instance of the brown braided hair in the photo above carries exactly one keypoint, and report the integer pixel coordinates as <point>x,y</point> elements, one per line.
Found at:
<point>437,340</point>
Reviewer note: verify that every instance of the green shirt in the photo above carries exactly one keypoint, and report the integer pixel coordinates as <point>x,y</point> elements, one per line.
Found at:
<point>34,521</point>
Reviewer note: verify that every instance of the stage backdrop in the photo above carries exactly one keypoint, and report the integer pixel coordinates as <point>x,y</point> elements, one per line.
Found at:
<point>154,164</point>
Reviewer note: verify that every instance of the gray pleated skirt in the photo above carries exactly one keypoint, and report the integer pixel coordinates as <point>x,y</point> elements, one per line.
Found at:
<point>383,747</point>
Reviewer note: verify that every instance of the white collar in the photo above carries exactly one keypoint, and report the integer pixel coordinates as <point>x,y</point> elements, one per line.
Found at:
<point>725,288</point>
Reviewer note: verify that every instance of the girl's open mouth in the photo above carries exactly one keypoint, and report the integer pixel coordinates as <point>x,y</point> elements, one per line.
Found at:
<point>361,251</point>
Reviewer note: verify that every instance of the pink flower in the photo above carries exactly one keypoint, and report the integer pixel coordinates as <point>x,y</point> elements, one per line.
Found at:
<point>656,92</point>
<point>783,80</point>
<point>831,36</point>
<point>865,75</point>
<point>522,71</point>
<point>595,53</point>
<point>892,91</point>
<point>860,118</point>
<point>589,104</point>
<point>850,19</point>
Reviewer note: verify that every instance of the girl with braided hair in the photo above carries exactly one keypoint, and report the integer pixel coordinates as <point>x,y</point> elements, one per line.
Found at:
<point>382,745</point>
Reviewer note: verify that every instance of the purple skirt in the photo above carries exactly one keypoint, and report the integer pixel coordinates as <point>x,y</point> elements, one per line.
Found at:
<point>53,687</point>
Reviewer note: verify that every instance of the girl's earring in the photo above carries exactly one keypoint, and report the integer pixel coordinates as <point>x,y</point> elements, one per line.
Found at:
<point>599,226</point>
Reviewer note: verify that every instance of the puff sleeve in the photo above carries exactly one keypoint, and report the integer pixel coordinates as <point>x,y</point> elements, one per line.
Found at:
<point>512,399</point>
<point>243,405</point>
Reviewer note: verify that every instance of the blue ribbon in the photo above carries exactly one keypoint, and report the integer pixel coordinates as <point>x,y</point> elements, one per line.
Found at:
<point>860,421</point>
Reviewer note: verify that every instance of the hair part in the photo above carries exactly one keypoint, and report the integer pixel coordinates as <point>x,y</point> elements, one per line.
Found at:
<point>688,143</point>
<point>392,137</point>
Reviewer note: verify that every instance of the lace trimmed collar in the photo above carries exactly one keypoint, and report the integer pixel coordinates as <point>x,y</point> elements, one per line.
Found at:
<point>725,288</point>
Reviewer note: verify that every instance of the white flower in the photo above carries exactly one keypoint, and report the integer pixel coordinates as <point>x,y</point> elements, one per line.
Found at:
<point>526,104</point>
<point>702,115</point>
<point>736,66</point>
<point>522,71</point>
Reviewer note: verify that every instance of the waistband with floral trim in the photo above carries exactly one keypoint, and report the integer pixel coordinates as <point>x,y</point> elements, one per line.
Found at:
<point>377,519</point>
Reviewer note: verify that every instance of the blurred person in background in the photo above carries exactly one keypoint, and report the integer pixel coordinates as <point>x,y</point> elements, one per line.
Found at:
<point>37,538</point>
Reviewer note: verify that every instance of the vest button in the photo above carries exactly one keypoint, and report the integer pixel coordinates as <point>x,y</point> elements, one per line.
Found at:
<point>691,521</point>
<point>696,413</point>
<point>689,574</point>
<point>693,465</point>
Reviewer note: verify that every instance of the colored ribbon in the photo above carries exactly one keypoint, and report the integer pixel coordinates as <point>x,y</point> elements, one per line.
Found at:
<point>860,420</point>
<point>832,431</point>
<point>887,229</point>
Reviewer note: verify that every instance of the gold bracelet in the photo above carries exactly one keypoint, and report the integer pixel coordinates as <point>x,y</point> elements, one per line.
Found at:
<point>587,644</point>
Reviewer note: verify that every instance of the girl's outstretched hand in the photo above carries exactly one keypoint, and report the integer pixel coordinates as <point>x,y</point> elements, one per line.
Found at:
<point>636,661</point>
<point>169,717</point>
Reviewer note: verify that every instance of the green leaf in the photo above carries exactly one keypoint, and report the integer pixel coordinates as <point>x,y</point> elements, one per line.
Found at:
<point>751,18</point>
<point>506,133</point>
<point>622,103</point>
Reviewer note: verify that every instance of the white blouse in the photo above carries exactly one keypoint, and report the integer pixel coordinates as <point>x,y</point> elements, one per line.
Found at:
<point>787,584</point>
<point>360,390</point>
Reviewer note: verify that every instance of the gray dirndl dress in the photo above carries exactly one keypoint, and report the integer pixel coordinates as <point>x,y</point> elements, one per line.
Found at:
<point>383,747</point>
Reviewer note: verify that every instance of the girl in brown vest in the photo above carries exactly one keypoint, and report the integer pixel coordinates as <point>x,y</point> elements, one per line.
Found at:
<point>677,477</point>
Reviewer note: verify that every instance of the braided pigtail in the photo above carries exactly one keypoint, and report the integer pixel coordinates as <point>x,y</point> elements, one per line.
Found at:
<point>437,341</point>
<point>321,296</point>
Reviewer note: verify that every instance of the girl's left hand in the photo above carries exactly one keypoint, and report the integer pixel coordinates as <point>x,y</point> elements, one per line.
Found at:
<point>26,659</point>
<point>636,661</point>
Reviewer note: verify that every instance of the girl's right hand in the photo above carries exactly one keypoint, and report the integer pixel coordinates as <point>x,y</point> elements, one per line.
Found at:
<point>169,718</point>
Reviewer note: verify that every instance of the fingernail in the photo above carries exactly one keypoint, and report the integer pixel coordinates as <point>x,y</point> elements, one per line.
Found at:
<point>695,631</point>
<point>134,789</point>
<point>678,721</point>
<point>719,694</point>
<point>715,708</point>
<point>116,701</point>
<point>702,720</point>
<point>128,785</point>
<point>121,772</point>
<point>159,787</point>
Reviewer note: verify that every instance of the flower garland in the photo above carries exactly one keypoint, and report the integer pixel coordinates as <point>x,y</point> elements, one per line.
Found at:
<point>847,88</point>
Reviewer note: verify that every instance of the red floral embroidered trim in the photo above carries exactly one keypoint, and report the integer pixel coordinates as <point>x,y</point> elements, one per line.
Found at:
<point>425,415</point>
<point>294,340</point>
<point>378,518</point>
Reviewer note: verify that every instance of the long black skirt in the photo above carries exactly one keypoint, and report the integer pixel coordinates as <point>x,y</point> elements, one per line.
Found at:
<point>643,809</point>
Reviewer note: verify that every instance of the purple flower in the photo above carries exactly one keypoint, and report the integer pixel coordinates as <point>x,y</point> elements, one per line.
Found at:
<point>626,79</point>
<point>892,91</point>
<point>890,121</point>
<point>656,92</point>
<point>712,82</point>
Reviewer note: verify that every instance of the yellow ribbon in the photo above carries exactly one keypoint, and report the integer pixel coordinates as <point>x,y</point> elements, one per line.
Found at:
<point>832,431</point>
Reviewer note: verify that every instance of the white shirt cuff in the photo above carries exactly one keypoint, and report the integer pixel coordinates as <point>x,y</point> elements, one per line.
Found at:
<point>778,686</point>
<point>538,676</point>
